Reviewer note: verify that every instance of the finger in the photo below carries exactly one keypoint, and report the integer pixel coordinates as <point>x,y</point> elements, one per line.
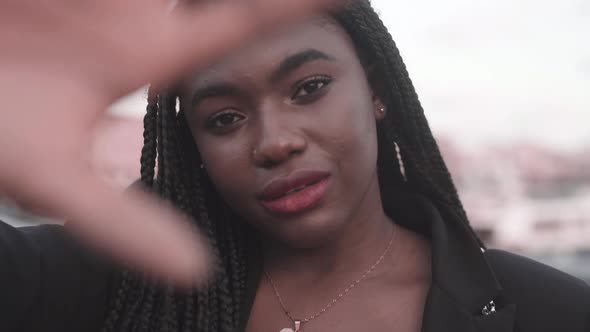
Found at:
<point>134,227</point>
<point>50,175</point>
<point>194,38</point>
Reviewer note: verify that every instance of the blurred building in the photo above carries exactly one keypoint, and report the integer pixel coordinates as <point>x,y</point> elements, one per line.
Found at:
<point>525,197</point>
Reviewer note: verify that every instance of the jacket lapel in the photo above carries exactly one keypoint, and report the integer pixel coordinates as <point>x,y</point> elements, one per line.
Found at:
<point>463,282</point>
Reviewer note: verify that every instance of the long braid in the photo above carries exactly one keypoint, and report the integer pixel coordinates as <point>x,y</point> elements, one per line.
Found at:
<point>212,304</point>
<point>117,306</point>
<point>235,260</point>
<point>237,266</point>
<point>169,318</point>
<point>223,301</point>
<point>224,293</point>
<point>187,316</point>
<point>150,318</point>
<point>166,318</point>
<point>157,303</point>
<point>148,152</point>
<point>137,293</point>
<point>164,169</point>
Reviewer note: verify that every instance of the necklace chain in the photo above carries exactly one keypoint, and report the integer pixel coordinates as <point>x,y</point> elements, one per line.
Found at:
<point>337,298</point>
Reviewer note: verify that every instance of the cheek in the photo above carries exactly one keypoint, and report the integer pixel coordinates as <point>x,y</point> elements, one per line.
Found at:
<point>358,150</point>
<point>227,166</point>
<point>346,131</point>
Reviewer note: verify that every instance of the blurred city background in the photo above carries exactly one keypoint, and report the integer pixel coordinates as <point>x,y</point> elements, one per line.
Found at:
<point>505,87</point>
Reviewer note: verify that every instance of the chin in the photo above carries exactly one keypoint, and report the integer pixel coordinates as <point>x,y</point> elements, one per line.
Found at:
<point>308,233</point>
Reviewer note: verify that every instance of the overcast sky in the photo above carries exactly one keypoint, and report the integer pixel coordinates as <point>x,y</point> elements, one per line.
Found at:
<point>492,71</point>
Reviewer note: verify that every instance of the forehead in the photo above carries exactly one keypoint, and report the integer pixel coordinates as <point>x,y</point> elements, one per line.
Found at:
<point>322,34</point>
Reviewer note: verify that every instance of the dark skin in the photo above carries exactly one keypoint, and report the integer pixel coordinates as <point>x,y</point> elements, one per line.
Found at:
<point>302,100</point>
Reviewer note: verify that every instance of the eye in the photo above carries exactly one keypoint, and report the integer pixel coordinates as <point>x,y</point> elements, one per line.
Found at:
<point>224,119</point>
<point>310,86</point>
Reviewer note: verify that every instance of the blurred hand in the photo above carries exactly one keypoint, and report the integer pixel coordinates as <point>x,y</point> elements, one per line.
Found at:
<point>62,63</point>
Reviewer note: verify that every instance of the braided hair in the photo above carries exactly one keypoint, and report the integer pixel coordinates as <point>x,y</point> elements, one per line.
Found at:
<point>141,305</point>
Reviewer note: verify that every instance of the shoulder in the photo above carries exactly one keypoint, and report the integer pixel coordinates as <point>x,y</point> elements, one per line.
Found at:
<point>546,298</point>
<point>47,275</point>
<point>530,278</point>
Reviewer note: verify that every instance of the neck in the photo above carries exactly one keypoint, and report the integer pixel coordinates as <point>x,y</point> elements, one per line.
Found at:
<point>347,254</point>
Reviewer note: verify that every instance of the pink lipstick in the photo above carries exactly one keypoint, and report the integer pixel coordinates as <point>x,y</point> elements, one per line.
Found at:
<point>295,193</point>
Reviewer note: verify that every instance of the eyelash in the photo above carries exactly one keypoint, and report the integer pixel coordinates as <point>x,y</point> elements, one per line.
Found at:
<point>212,122</point>
<point>322,79</point>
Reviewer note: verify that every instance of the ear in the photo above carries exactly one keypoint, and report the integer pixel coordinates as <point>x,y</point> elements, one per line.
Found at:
<point>376,85</point>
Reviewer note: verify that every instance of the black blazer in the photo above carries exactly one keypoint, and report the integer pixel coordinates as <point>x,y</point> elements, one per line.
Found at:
<point>48,282</point>
<point>529,296</point>
<point>466,279</point>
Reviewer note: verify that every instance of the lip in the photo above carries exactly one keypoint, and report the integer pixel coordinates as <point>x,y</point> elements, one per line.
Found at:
<point>281,186</point>
<point>279,195</point>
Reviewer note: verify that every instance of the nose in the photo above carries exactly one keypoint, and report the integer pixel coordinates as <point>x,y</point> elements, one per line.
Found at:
<point>279,140</point>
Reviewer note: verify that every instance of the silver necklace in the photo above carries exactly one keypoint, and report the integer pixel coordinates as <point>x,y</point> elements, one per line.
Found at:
<point>298,322</point>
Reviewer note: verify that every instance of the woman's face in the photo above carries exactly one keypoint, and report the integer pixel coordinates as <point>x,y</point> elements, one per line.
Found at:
<point>287,131</point>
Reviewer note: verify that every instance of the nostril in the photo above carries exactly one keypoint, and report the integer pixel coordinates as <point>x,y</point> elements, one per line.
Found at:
<point>269,164</point>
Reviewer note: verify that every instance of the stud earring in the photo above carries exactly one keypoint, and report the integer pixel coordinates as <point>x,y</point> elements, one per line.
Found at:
<point>382,110</point>
<point>400,161</point>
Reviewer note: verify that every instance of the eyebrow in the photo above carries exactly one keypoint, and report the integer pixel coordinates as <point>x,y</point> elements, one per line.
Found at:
<point>287,66</point>
<point>297,60</point>
<point>215,90</point>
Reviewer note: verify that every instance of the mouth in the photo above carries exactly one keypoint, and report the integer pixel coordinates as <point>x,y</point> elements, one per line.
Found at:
<point>295,193</point>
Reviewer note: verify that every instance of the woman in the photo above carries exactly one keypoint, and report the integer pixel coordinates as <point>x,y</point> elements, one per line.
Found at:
<point>307,161</point>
